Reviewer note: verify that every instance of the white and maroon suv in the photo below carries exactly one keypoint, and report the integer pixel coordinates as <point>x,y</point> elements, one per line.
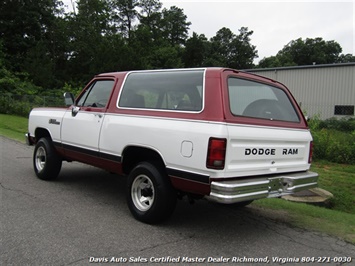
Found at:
<point>230,136</point>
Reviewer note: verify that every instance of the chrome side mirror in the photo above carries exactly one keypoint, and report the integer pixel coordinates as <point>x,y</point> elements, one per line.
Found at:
<point>69,101</point>
<point>75,110</point>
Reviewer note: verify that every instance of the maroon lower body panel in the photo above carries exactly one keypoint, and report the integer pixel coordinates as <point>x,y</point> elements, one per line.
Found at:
<point>190,182</point>
<point>181,180</point>
<point>108,162</point>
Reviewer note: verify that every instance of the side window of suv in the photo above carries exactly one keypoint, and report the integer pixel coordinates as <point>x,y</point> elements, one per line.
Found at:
<point>97,94</point>
<point>163,90</point>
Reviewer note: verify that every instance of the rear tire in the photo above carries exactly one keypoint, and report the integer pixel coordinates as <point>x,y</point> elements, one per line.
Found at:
<point>46,162</point>
<point>150,195</point>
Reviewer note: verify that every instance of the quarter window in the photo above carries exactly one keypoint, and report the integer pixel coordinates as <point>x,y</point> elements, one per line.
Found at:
<point>252,99</point>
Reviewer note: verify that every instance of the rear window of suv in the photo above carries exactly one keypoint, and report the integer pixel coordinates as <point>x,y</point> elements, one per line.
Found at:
<point>257,100</point>
<point>164,90</point>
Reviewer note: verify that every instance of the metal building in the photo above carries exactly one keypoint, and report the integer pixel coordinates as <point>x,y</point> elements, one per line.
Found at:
<point>324,90</point>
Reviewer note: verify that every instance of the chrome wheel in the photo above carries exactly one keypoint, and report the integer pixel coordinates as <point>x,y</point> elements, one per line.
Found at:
<point>40,159</point>
<point>150,195</point>
<point>142,192</point>
<point>46,162</point>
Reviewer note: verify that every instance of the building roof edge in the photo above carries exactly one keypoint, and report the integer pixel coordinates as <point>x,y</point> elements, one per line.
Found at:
<point>299,67</point>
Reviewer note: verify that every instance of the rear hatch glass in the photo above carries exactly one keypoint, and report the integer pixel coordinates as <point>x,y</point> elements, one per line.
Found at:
<point>267,134</point>
<point>257,100</point>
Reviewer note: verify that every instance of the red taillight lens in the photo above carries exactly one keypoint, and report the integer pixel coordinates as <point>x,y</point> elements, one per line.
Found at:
<point>310,152</point>
<point>216,154</point>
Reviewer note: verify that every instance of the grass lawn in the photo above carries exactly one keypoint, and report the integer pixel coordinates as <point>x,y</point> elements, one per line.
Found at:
<point>339,179</point>
<point>13,127</point>
<point>340,219</point>
<point>336,178</point>
<point>329,221</point>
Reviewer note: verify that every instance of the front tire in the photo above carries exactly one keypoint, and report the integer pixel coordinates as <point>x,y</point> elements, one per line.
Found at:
<point>46,162</point>
<point>150,195</point>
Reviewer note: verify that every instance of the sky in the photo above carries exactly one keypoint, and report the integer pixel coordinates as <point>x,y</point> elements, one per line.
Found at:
<point>274,23</point>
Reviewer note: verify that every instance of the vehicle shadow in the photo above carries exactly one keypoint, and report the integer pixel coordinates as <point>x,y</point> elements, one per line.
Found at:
<point>110,189</point>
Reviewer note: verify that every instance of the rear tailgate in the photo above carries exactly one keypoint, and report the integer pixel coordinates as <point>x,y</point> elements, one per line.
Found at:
<point>268,143</point>
<point>258,150</point>
<point>267,133</point>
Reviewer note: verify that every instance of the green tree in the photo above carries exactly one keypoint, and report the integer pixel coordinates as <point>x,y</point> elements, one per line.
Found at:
<point>150,19</point>
<point>244,51</point>
<point>346,58</point>
<point>40,65</point>
<point>307,52</point>
<point>158,39</point>
<point>174,25</point>
<point>231,50</point>
<point>90,26</point>
<point>148,10</point>
<point>33,41</point>
<point>22,24</point>
<point>12,84</point>
<point>195,51</point>
<point>8,81</point>
<point>221,46</point>
<point>271,61</point>
<point>124,15</point>
<point>166,57</point>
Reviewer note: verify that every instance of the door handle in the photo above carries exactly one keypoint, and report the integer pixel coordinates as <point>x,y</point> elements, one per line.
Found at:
<point>98,115</point>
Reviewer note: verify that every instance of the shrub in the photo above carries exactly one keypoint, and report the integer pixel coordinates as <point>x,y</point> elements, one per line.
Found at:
<point>334,140</point>
<point>22,104</point>
<point>343,124</point>
<point>339,147</point>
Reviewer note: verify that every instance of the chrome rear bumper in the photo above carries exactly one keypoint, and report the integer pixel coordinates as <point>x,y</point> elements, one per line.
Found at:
<point>266,187</point>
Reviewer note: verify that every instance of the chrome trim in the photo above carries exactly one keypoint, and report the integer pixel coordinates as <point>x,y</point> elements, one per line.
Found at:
<point>29,139</point>
<point>263,187</point>
<point>164,70</point>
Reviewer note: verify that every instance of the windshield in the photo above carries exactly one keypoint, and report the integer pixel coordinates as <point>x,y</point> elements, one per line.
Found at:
<point>257,100</point>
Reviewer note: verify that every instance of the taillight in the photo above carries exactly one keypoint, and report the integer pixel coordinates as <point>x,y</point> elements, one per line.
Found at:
<point>310,152</point>
<point>216,154</point>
